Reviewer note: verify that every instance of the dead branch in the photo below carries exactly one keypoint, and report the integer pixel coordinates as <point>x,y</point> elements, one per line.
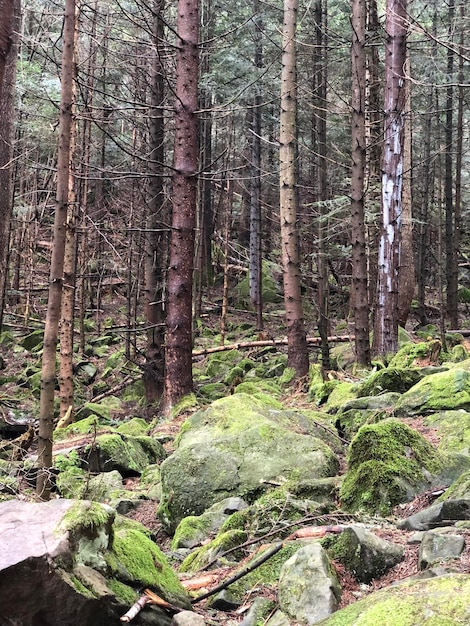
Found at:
<point>250,568</point>
<point>314,341</point>
<point>127,380</point>
<point>149,597</point>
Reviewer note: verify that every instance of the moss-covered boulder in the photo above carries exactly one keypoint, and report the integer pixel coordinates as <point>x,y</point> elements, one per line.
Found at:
<point>363,553</point>
<point>128,455</point>
<point>453,434</point>
<point>389,379</point>
<point>417,354</point>
<point>209,552</point>
<point>439,601</point>
<point>442,391</point>
<point>63,558</point>
<point>388,463</point>
<point>239,446</point>
<point>195,529</point>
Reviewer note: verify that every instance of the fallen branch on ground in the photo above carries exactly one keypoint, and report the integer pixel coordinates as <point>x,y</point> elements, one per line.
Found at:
<point>262,343</point>
<point>267,555</point>
<point>149,597</point>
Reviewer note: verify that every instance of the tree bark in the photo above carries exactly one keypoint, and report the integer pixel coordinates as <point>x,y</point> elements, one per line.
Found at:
<point>178,361</point>
<point>10,18</point>
<point>406,272</point>
<point>48,370</point>
<point>156,237</point>
<point>386,322</point>
<point>358,232</point>
<point>297,345</point>
<point>256,269</point>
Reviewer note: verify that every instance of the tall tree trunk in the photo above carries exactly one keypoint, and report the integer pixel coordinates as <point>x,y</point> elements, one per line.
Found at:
<point>321,108</point>
<point>296,335</point>
<point>178,354</point>
<point>451,260</point>
<point>459,153</point>
<point>48,370</point>
<point>386,322</point>
<point>358,231</point>
<point>7,12</point>
<point>374,133</point>
<point>156,237</point>
<point>67,318</point>
<point>256,270</point>
<point>406,273</point>
<point>10,17</point>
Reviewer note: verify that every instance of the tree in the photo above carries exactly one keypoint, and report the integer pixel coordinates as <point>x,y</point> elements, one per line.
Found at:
<point>256,272</point>
<point>178,353</point>
<point>296,335</point>
<point>155,234</point>
<point>358,152</point>
<point>48,369</point>
<point>386,321</point>
<point>10,13</point>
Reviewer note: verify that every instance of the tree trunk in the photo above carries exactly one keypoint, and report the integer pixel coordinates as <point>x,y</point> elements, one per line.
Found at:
<point>178,361</point>
<point>358,233</point>
<point>386,322</point>
<point>48,370</point>
<point>156,239</point>
<point>256,269</point>
<point>321,108</point>
<point>451,257</point>
<point>406,273</point>
<point>296,335</point>
<point>10,17</point>
<point>66,326</point>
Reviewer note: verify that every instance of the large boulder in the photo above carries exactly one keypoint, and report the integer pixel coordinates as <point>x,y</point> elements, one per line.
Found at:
<point>449,390</point>
<point>442,600</point>
<point>239,446</point>
<point>388,464</point>
<point>308,587</point>
<point>67,562</point>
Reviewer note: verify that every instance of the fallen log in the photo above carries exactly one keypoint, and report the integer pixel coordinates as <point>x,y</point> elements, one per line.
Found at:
<point>262,343</point>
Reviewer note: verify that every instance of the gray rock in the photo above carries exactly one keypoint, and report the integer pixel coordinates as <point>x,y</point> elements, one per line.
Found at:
<point>366,555</point>
<point>260,608</point>
<point>439,514</point>
<point>308,589</point>
<point>66,562</point>
<point>237,447</point>
<point>436,547</point>
<point>278,619</point>
<point>187,618</point>
<point>194,529</point>
<point>438,600</point>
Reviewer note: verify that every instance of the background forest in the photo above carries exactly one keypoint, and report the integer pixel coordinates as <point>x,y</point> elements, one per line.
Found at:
<point>101,108</point>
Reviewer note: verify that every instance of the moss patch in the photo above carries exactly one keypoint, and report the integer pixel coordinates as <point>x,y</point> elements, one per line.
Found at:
<point>135,558</point>
<point>439,601</point>
<point>386,463</point>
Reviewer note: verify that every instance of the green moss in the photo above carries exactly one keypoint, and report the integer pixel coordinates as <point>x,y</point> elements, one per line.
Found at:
<point>124,593</point>
<point>205,554</point>
<point>410,352</point>
<point>262,391</point>
<point>135,558</point>
<point>266,574</point>
<point>88,516</point>
<point>64,462</point>
<point>80,587</point>
<point>84,426</point>
<point>386,462</point>
<point>235,521</point>
<point>135,427</point>
<point>185,404</point>
<point>389,379</point>
<point>190,527</point>
<point>439,601</point>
